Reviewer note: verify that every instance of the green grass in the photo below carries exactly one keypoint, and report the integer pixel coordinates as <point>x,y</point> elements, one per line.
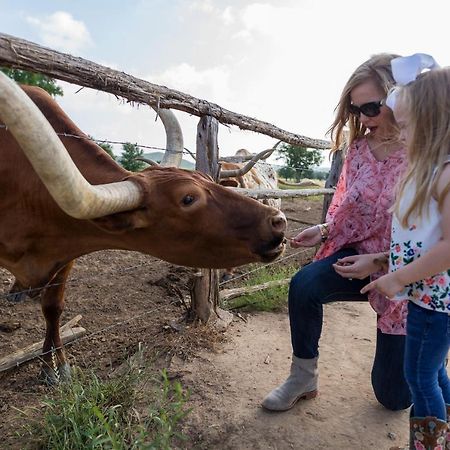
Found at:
<point>90,413</point>
<point>270,299</point>
<point>313,198</point>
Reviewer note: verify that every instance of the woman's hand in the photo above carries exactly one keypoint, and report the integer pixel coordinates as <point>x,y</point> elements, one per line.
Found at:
<point>356,266</point>
<point>387,285</point>
<point>307,238</point>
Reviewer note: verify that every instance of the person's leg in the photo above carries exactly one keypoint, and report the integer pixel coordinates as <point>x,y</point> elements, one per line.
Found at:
<point>444,383</point>
<point>313,286</point>
<point>427,344</point>
<point>388,379</point>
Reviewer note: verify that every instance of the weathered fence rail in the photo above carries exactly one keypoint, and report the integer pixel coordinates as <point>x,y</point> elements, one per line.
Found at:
<point>21,54</point>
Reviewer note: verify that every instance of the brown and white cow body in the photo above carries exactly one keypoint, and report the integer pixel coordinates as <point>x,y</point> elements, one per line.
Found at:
<point>261,176</point>
<point>45,223</point>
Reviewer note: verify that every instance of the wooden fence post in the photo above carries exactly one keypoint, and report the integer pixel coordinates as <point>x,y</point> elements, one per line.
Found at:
<point>333,177</point>
<point>205,290</point>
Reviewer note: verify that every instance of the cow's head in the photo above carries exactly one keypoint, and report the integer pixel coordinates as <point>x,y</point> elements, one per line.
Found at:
<point>179,216</point>
<point>187,219</point>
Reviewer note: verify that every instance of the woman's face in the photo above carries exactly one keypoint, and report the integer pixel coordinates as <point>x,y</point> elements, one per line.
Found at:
<point>381,124</point>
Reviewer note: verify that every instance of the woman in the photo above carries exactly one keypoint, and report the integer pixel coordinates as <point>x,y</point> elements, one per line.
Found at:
<point>358,222</point>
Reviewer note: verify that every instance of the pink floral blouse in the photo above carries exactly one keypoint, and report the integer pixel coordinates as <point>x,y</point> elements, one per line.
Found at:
<point>359,218</point>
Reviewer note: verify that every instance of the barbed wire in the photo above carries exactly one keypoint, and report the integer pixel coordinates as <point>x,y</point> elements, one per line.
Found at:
<point>186,150</point>
<point>74,282</point>
<point>143,314</point>
<point>94,333</point>
<point>138,316</point>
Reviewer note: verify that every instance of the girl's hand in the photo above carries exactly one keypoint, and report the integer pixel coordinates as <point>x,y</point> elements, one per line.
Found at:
<point>387,285</point>
<point>307,238</point>
<point>356,266</point>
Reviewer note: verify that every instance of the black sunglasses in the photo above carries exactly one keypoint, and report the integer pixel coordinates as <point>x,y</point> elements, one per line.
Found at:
<point>371,109</point>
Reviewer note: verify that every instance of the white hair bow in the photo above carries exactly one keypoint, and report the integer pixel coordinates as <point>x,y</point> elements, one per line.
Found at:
<point>406,69</point>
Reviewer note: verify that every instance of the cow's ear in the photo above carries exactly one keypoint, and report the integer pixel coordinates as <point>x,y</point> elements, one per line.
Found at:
<point>122,222</point>
<point>230,182</point>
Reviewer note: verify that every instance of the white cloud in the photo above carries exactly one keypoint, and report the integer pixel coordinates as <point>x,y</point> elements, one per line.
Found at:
<point>205,6</point>
<point>211,84</point>
<point>226,15</point>
<point>61,31</point>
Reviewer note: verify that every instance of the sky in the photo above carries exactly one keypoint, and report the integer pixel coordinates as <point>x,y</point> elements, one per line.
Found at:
<point>281,61</point>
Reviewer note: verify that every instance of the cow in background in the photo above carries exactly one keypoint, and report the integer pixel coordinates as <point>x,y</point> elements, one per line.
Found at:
<point>261,176</point>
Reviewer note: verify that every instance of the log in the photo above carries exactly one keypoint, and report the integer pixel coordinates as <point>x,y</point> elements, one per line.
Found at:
<point>279,193</point>
<point>21,54</point>
<point>303,183</point>
<point>228,294</point>
<point>68,334</point>
<point>71,323</point>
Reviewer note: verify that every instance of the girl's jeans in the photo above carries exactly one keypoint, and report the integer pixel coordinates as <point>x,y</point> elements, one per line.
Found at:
<point>427,344</point>
<point>317,284</point>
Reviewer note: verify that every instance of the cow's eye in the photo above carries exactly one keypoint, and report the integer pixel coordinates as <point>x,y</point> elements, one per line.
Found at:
<point>188,200</point>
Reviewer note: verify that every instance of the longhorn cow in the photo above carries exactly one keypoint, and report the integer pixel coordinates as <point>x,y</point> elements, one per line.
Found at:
<point>64,197</point>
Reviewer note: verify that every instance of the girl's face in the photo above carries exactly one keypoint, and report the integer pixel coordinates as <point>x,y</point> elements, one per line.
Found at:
<point>400,114</point>
<point>381,124</point>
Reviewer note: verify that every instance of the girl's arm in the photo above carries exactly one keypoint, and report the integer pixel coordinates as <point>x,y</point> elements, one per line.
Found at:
<point>434,261</point>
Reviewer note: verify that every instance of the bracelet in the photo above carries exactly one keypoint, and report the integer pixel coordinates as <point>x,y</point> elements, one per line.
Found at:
<point>323,228</point>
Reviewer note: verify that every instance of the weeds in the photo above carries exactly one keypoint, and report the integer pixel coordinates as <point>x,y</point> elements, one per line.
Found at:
<point>89,413</point>
<point>271,299</point>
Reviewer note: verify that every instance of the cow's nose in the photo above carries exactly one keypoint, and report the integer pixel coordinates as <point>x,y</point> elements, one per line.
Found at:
<point>279,222</point>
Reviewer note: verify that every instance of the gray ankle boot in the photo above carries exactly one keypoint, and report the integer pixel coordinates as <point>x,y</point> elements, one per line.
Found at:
<point>301,384</point>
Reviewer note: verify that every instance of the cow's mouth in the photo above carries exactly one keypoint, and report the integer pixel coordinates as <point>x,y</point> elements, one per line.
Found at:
<point>274,252</point>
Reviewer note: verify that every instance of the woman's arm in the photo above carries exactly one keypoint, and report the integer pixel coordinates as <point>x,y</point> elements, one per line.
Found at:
<point>361,266</point>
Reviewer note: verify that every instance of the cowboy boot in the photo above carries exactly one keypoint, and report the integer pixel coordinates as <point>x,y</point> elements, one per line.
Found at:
<point>447,441</point>
<point>301,384</point>
<point>428,433</point>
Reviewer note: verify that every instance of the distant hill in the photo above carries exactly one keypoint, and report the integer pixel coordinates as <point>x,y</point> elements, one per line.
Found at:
<point>157,156</point>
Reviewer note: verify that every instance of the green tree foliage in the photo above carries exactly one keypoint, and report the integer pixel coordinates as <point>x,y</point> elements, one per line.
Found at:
<point>108,149</point>
<point>299,161</point>
<point>34,79</point>
<point>129,155</point>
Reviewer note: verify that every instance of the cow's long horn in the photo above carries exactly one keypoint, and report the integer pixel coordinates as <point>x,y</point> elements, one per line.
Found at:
<point>52,163</point>
<point>243,170</point>
<point>150,162</point>
<point>174,139</point>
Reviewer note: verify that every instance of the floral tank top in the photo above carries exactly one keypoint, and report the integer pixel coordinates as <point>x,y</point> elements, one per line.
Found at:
<point>408,244</point>
<point>359,218</point>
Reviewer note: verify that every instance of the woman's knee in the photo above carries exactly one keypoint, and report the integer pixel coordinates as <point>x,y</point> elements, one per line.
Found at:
<point>302,288</point>
<point>394,396</point>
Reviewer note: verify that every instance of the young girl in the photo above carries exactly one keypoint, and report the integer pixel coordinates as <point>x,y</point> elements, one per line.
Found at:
<point>419,256</point>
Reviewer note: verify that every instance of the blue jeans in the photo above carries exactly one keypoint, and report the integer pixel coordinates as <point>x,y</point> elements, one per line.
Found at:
<point>317,284</point>
<point>427,344</point>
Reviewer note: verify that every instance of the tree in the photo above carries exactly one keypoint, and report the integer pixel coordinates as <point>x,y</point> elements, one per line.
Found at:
<point>300,160</point>
<point>108,149</point>
<point>34,79</point>
<point>129,155</point>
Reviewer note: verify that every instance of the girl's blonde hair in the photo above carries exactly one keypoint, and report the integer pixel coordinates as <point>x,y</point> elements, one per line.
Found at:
<point>376,69</point>
<point>426,102</point>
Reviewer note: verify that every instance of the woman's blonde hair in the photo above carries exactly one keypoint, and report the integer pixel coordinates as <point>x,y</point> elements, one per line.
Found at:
<point>376,69</point>
<point>426,102</point>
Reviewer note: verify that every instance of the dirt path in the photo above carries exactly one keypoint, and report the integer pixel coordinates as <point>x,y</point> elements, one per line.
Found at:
<point>227,388</point>
<point>134,298</point>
